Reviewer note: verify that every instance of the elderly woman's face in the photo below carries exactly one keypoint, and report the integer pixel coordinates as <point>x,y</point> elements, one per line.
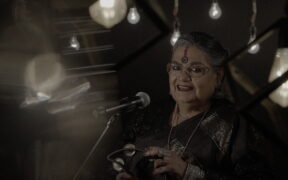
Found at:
<point>191,77</point>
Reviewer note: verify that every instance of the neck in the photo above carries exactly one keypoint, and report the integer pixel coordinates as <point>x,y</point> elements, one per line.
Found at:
<point>184,111</point>
<point>187,110</point>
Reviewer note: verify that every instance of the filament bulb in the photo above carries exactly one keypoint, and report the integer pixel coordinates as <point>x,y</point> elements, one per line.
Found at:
<point>174,37</point>
<point>133,16</point>
<point>74,43</point>
<point>254,48</point>
<point>215,11</point>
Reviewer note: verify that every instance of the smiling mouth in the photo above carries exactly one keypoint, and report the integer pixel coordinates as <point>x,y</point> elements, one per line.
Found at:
<point>184,88</point>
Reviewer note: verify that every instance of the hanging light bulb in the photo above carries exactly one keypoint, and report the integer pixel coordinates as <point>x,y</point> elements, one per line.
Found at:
<point>108,12</point>
<point>74,43</point>
<point>133,16</point>
<point>279,67</point>
<point>254,48</point>
<point>215,11</point>
<point>43,74</point>
<point>176,34</point>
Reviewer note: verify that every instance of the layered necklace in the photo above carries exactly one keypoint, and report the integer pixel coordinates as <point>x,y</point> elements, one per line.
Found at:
<point>176,115</point>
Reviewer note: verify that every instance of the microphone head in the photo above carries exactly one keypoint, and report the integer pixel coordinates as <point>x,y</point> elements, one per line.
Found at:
<point>144,98</point>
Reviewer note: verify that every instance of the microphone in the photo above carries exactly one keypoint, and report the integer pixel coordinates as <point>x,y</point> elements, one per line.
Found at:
<point>141,100</point>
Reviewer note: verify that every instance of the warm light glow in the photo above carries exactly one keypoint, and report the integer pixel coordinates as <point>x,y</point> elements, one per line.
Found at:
<point>215,11</point>
<point>107,3</point>
<point>254,48</point>
<point>74,43</point>
<point>176,34</point>
<point>108,12</point>
<point>42,76</point>
<point>43,96</point>
<point>279,67</point>
<point>133,16</point>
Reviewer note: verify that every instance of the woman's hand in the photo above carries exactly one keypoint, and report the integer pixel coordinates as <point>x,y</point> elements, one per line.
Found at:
<point>171,162</point>
<point>125,176</point>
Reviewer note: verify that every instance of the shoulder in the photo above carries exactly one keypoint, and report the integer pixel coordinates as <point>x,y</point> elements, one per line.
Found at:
<point>220,124</point>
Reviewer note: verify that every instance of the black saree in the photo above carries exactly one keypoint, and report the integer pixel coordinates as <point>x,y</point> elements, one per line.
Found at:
<point>217,150</point>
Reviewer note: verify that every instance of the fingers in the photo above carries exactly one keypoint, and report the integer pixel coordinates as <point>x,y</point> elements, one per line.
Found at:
<point>170,162</point>
<point>157,151</point>
<point>152,151</point>
<point>159,163</point>
<point>162,169</point>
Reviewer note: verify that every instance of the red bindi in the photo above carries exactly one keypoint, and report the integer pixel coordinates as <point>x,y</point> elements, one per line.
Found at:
<point>185,58</point>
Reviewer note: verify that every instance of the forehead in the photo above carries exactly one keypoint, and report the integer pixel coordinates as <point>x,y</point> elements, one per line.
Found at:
<point>194,54</point>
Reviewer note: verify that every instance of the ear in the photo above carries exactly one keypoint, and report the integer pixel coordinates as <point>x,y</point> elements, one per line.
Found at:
<point>168,67</point>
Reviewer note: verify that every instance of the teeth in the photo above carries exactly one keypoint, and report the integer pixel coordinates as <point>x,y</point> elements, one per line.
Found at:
<point>184,87</point>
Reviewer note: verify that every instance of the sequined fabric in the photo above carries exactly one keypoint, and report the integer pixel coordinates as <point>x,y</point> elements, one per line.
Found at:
<point>219,130</point>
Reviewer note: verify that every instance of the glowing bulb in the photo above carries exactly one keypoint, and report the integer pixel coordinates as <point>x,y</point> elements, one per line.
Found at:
<point>254,48</point>
<point>279,67</point>
<point>133,16</point>
<point>215,11</point>
<point>174,37</point>
<point>74,43</point>
<point>108,12</point>
<point>107,3</point>
<point>279,73</point>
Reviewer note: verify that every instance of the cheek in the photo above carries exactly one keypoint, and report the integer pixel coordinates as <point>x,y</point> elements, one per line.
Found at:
<point>172,80</point>
<point>205,86</point>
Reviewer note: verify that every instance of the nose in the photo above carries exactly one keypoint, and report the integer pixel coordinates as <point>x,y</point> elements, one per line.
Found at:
<point>184,76</point>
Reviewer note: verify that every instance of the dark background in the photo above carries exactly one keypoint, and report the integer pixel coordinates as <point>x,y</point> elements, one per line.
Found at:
<point>37,145</point>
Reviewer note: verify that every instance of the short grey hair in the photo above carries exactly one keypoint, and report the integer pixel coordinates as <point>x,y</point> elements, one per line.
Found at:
<point>206,43</point>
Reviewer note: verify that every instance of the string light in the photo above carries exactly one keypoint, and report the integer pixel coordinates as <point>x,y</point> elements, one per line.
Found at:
<point>133,16</point>
<point>254,48</point>
<point>215,11</point>
<point>176,33</point>
<point>74,43</point>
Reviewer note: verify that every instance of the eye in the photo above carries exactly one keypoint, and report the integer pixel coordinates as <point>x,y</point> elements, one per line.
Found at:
<point>175,67</point>
<point>197,69</point>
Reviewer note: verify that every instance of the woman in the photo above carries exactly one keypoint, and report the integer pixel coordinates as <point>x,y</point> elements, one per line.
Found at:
<point>198,135</point>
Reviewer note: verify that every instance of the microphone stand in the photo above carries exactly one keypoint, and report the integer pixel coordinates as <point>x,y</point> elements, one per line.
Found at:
<point>110,121</point>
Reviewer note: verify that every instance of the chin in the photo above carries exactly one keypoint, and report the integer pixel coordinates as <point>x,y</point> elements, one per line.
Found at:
<point>185,99</point>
